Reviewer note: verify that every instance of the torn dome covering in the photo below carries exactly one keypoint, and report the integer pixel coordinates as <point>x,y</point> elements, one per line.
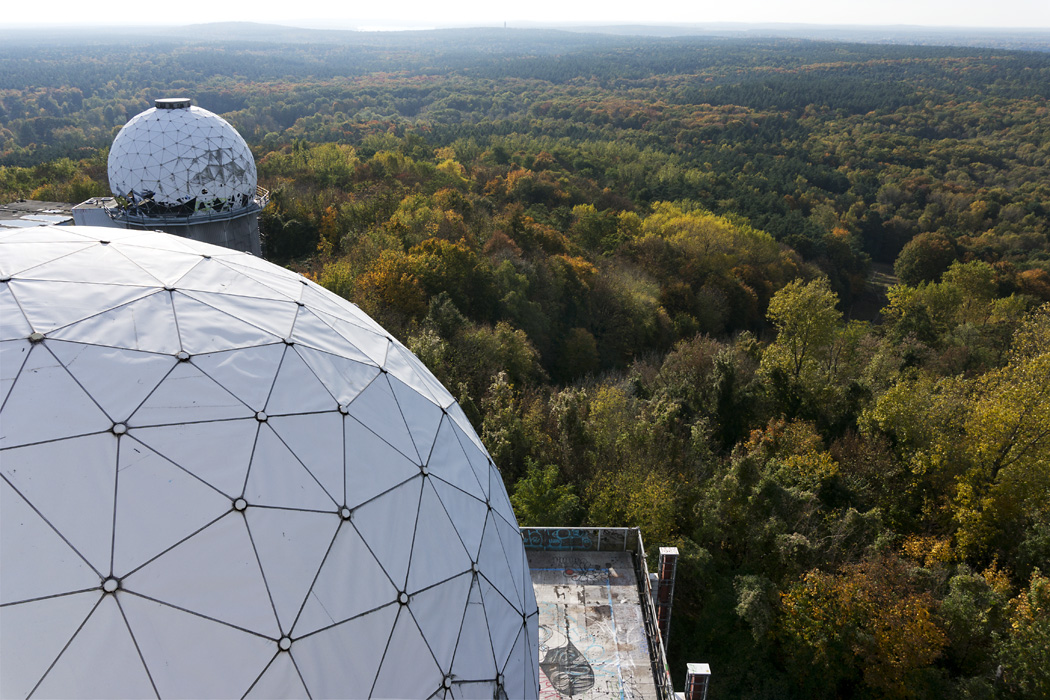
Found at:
<point>177,161</point>
<point>218,479</point>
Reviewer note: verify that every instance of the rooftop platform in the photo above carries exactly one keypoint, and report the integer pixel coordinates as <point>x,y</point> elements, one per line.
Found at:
<point>27,213</point>
<point>597,632</point>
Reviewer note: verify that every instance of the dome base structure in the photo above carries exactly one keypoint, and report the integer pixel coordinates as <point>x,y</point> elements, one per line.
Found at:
<point>240,232</point>
<point>236,231</point>
<point>217,479</point>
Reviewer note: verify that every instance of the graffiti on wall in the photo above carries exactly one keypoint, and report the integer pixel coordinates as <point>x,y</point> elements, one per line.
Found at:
<point>558,538</point>
<point>611,539</point>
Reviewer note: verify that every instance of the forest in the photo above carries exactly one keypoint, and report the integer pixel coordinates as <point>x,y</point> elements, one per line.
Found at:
<point>782,304</point>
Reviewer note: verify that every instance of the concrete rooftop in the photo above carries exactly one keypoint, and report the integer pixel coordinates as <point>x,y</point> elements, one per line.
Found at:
<point>593,641</point>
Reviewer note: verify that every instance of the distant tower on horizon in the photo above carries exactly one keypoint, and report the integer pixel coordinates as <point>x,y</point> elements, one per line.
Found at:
<point>184,170</point>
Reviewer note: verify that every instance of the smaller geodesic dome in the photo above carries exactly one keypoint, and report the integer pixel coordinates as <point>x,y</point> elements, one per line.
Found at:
<point>217,480</point>
<point>176,159</point>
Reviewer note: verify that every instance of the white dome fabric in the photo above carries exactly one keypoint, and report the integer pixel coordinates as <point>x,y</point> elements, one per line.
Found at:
<point>184,158</point>
<point>217,479</point>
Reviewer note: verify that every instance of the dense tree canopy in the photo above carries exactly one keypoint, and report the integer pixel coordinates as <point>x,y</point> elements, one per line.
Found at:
<point>658,276</point>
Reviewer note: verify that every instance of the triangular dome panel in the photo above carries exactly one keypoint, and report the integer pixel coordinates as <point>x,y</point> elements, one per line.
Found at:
<point>350,583</point>
<point>438,611</point>
<point>514,674</point>
<point>277,478</point>
<point>274,316</point>
<point>334,662</point>
<point>189,656</point>
<point>216,574</point>
<point>513,547</point>
<point>291,546</point>
<point>97,264</point>
<point>407,642</point>
<point>372,465</point>
<point>81,509</point>
<point>194,446</point>
<point>344,378</point>
<point>212,276</point>
<point>41,563</point>
<point>147,324</point>
<point>288,284</point>
<point>53,622</point>
<point>505,624</point>
<point>450,463</point>
<point>373,345</point>
<point>102,661</point>
<point>479,461</point>
<point>317,441</point>
<point>377,409</point>
<point>493,561</point>
<point>247,373</point>
<point>435,554</point>
<point>158,506</point>
<point>387,524</point>
<point>204,328</point>
<point>470,515</point>
<point>421,416</point>
<point>20,257</point>
<point>187,395</point>
<point>312,332</point>
<point>49,305</point>
<point>297,389</point>
<point>45,403</point>
<point>474,659</point>
<point>94,368</point>
<point>166,266</point>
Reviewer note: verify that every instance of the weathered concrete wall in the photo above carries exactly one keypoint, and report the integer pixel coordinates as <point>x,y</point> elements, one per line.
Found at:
<point>241,233</point>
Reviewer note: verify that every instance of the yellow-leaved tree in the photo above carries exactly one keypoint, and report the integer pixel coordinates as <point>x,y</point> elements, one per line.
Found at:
<point>979,447</point>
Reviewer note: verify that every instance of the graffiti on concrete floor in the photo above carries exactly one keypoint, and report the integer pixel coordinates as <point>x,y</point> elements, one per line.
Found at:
<point>581,657</point>
<point>567,669</point>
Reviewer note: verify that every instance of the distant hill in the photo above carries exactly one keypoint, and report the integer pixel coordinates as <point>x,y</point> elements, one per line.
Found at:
<point>538,34</point>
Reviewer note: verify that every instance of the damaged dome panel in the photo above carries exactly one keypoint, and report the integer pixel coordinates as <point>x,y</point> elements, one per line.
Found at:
<point>176,153</point>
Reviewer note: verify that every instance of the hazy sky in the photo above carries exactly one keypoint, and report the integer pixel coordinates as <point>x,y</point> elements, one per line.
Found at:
<point>346,14</point>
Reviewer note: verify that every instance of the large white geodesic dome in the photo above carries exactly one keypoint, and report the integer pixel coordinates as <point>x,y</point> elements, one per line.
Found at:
<point>219,480</point>
<point>182,158</point>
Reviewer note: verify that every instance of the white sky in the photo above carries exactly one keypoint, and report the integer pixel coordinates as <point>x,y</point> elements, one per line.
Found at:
<point>1025,14</point>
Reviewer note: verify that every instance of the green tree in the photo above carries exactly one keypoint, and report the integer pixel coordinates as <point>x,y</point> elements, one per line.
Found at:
<point>814,366</point>
<point>539,499</point>
<point>807,322</point>
<point>924,258</point>
<point>1025,648</point>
